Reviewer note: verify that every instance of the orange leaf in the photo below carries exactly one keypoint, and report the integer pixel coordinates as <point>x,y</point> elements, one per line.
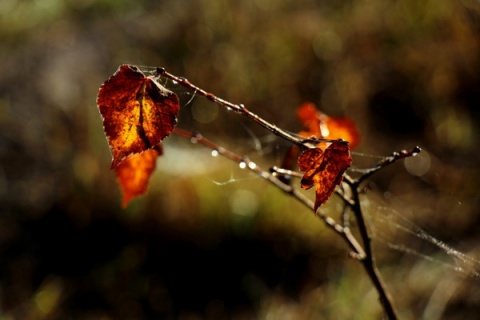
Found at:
<point>324,169</point>
<point>320,125</point>
<point>134,172</point>
<point>308,115</point>
<point>137,112</point>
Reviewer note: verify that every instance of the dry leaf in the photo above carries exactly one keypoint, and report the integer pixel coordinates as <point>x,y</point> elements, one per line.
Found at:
<point>324,169</point>
<point>137,112</point>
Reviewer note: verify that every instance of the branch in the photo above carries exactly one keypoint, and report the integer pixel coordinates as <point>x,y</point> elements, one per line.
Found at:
<point>365,254</point>
<point>386,161</point>
<point>349,194</point>
<point>241,109</point>
<point>345,233</point>
<point>368,262</point>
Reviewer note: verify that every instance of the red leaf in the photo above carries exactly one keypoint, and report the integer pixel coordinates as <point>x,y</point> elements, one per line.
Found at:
<point>137,112</point>
<point>320,125</point>
<point>134,173</point>
<point>324,169</point>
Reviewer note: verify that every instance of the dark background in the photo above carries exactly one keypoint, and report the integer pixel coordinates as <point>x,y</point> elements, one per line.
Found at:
<point>406,71</point>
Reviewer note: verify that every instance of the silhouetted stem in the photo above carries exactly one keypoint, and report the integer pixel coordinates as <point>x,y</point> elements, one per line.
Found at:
<point>369,260</point>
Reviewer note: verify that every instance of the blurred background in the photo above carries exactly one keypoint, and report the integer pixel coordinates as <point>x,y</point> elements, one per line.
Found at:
<point>212,241</point>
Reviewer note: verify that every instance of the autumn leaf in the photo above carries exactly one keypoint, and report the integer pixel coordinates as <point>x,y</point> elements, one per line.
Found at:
<point>324,169</point>
<point>134,172</point>
<point>137,112</point>
<point>319,125</point>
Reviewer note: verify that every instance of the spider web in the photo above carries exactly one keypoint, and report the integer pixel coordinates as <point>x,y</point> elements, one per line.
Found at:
<point>440,253</point>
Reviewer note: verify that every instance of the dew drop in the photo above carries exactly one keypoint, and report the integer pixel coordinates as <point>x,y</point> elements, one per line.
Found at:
<point>239,108</point>
<point>214,153</point>
<point>252,165</point>
<point>242,165</point>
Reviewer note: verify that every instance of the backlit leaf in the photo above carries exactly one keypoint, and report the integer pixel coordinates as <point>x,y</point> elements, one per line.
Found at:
<point>134,172</point>
<point>137,112</point>
<point>319,125</point>
<point>324,169</point>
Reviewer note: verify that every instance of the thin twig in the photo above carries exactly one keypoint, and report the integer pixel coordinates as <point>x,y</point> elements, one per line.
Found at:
<point>241,109</point>
<point>285,172</point>
<point>386,161</point>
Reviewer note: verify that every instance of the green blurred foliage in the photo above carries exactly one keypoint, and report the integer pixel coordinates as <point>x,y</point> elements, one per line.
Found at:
<point>406,71</point>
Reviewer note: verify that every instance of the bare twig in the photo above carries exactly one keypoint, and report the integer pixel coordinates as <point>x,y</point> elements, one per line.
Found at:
<point>386,161</point>
<point>241,109</point>
<point>368,262</point>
